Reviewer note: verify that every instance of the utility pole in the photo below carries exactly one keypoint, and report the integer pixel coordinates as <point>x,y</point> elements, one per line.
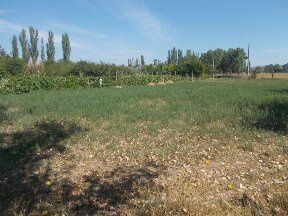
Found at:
<point>213,63</point>
<point>248,59</point>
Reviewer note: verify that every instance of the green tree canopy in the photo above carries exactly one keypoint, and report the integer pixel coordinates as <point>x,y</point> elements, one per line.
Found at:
<point>50,47</point>
<point>34,52</point>
<point>66,47</point>
<point>24,46</point>
<point>15,51</point>
<point>142,60</point>
<point>43,57</point>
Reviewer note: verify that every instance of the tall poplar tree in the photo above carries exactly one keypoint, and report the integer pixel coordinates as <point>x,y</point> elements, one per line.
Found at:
<point>174,56</point>
<point>42,51</point>
<point>66,47</point>
<point>142,60</point>
<point>50,47</point>
<point>188,54</point>
<point>137,62</point>
<point>2,51</point>
<point>34,52</point>
<point>180,56</point>
<point>15,51</point>
<point>169,57</point>
<point>24,46</point>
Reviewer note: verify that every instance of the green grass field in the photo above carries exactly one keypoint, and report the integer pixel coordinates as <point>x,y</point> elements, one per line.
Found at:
<point>206,147</point>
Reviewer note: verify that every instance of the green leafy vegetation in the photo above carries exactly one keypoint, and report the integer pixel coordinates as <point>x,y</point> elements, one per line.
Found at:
<point>141,147</point>
<point>191,64</point>
<point>24,84</point>
<point>166,149</point>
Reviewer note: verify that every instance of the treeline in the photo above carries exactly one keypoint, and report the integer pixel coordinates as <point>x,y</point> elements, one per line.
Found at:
<point>42,61</point>
<point>24,59</point>
<point>30,51</point>
<point>276,68</point>
<point>195,64</point>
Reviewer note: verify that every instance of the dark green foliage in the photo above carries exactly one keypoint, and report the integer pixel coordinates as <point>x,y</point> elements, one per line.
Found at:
<point>188,53</point>
<point>169,57</point>
<point>15,51</point>
<point>34,52</point>
<point>180,56</point>
<point>2,51</point>
<point>137,63</point>
<point>50,47</point>
<point>192,67</point>
<point>233,61</point>
<point>174,56</point>
<point>257,70</point>
<point>24,84</point>
<point>58,68</point>
<point>218,55</point>
<point>12,66</point>
<point>277,68</point>
<point>86,68</point>
<point>142,60</point>
<point>66,47</point>
<point>43,58</point>
<point>271,115</point>
<point>269,68</point>
<point>24,45</point>
<point>273,68</point>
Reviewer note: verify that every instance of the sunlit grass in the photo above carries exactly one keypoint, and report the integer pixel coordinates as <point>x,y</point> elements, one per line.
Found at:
<point>170,132</point>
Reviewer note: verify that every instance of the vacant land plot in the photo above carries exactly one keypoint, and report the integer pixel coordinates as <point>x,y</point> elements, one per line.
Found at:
<point>198,148</point>
<point>269,75</point>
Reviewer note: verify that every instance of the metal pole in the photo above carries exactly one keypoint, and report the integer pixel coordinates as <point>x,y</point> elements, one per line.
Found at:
<point>248,59</point>
<point>213,59</point>
<point>192,75</point>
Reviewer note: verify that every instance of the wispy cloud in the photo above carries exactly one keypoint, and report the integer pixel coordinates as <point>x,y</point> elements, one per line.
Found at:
<point>143,19</point>
<point>98,45</point>
<point>73,29</point>
<point>86,43</point>
<point>5,11</point>
<point>6,26</point>
<point>136,14</point>
<point>9,26</point>
<point>271,51</point>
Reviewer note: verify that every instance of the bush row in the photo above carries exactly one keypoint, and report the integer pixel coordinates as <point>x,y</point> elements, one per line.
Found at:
<point>11,67</point>
<point>25,83</point>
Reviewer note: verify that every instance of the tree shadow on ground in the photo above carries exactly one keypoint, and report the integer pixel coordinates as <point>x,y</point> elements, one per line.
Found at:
<point>269,116</point>
<point>107,194</point>
<point>3,115</point>
<point>25,177</point>
<point>21,154</point>
<point>281,91</point>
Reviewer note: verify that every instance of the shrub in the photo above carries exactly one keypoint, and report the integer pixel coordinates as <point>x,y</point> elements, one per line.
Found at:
<point>86,68</point>
<point>12,66</point>
<point>58,68</point>
<point>24,84</point>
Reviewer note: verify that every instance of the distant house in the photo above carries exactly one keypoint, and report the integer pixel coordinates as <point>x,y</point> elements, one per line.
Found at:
<point>285,68</point>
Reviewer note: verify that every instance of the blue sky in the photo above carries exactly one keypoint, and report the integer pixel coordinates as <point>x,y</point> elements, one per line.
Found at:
<point>115,30</point>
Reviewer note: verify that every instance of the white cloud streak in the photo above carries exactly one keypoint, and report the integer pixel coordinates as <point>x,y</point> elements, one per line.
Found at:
<point>271,51</point>
<point>5,11</point>
<point>6,26</point>
<point>97,45</point>
<point>136,14</point>
<point>93,45</point>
